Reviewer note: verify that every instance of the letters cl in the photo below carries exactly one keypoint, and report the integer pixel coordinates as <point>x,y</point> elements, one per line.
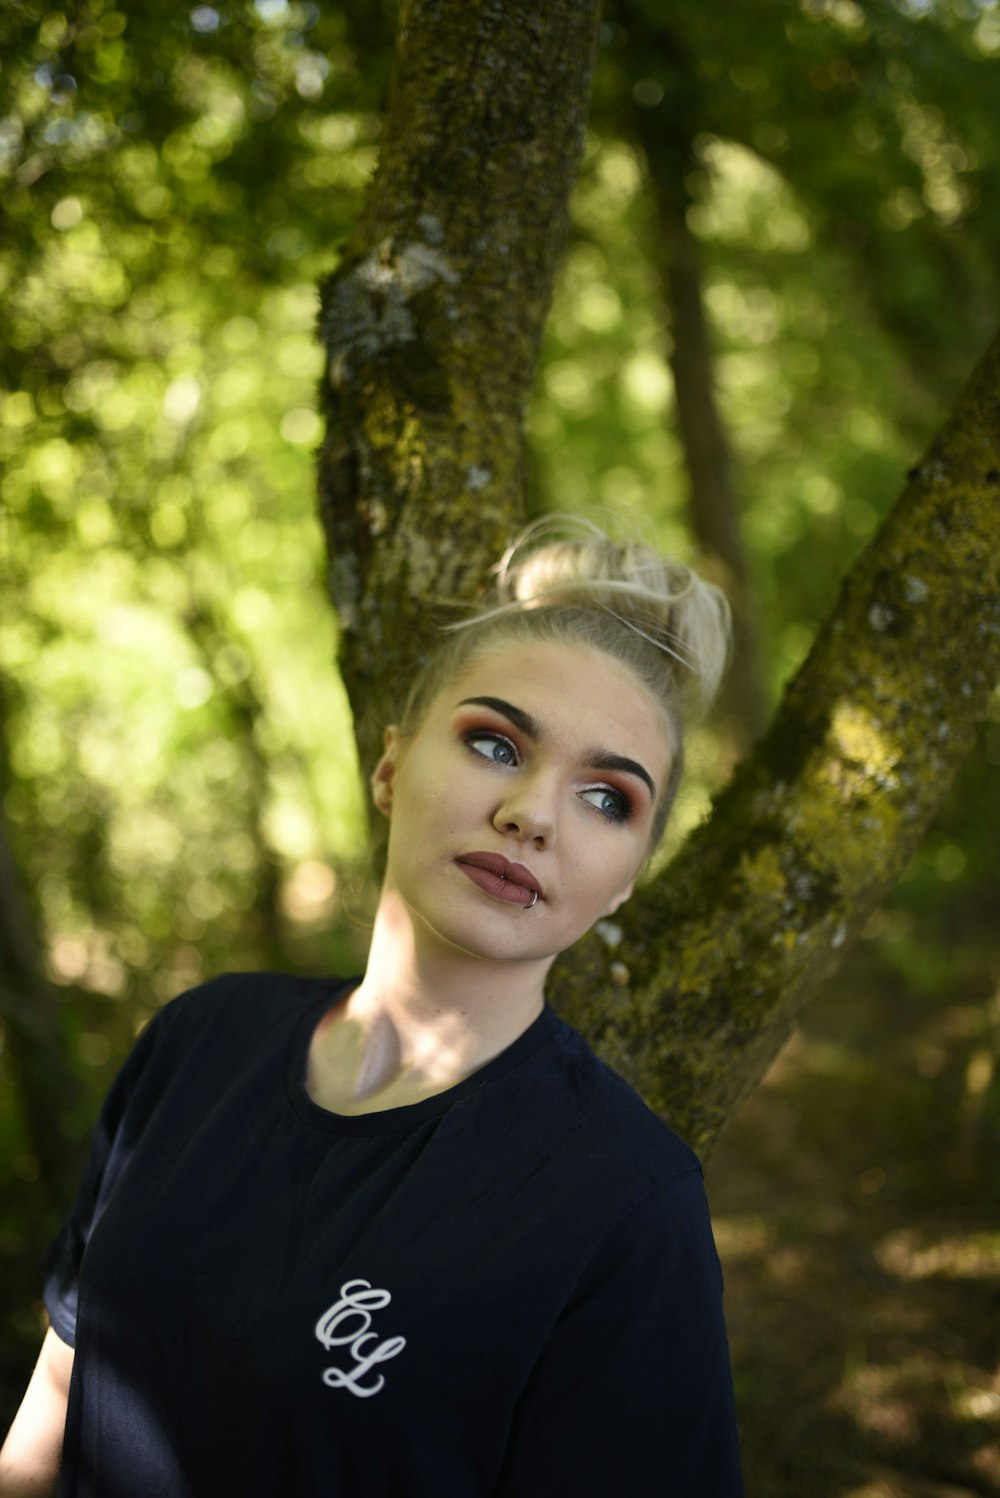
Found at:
<point>346,1324</point>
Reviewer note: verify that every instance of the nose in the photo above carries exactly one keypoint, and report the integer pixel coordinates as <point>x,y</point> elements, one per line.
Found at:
<point>527,811</point>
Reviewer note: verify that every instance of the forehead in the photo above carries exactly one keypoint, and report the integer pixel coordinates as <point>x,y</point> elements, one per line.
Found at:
<point>576,693</point>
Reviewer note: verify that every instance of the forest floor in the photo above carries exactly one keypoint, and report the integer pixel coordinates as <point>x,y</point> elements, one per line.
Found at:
<point>856,1200</point>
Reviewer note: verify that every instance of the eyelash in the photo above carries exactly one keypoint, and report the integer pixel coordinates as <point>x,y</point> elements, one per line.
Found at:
<point>625,805</point>
<point>477,735</point>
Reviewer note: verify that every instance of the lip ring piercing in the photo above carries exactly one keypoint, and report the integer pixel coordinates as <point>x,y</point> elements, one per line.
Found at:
<point>531,902</point>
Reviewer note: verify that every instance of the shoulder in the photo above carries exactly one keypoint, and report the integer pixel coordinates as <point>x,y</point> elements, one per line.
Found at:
<point>608,1139</point>
<point>232,1015</point>
<point>616,1117</point>
<point>204,1041</point>
<point>656,1230</point>
<point>250,997</point>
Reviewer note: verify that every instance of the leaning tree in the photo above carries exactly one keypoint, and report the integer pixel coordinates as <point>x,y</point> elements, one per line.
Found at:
<point>431,325</point>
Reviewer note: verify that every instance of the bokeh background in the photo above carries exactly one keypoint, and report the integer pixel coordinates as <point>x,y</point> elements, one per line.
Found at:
<point>180,791</point>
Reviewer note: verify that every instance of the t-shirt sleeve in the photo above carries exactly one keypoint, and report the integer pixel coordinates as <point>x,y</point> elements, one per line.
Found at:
<point>633,1392</point>
<point>110,1146</point>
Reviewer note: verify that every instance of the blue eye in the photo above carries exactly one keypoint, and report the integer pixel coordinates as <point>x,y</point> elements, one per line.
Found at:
<point>614,806</point>
<point>492,746</point>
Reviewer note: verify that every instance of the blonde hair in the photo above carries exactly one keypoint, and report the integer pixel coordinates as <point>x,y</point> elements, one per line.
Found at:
<point>564,580</point>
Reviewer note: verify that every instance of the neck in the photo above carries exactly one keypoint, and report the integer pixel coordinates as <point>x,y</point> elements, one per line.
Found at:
<point>431,1015</point>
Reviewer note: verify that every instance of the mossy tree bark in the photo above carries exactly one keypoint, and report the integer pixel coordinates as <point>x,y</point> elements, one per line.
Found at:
<point>715,958</point>
<point>432,324</point>
<point>433,318</point>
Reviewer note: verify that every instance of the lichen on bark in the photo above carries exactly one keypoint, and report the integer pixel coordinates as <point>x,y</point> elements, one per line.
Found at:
<point>432,321</point>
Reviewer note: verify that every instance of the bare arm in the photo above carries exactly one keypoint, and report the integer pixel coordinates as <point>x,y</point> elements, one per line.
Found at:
<point>29,1461</point>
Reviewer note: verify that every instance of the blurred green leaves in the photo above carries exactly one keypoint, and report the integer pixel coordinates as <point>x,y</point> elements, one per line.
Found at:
<point>174,182</point>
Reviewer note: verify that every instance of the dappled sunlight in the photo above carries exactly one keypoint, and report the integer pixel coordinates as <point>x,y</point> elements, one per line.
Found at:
<point>646,381</point>
<point>855,1253</point>
<point>880,1399</point>
<point>916,1255</point>
<point>89,959</point>
<point>308,894</point>
<point>750,203</point>
<point>900,1404</point>
<point>868,755</point>
<point>124,689</point>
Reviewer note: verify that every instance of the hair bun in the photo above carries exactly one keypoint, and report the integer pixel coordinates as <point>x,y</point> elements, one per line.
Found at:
<point>568,560</point>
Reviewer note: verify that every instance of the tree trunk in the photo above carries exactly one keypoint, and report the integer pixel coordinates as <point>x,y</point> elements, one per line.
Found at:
<point>664,134</point>
<point>433,318</point>
<point>713,960</point>
<point>712,504</point>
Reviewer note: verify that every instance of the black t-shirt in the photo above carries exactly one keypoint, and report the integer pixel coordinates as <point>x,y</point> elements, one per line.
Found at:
<point>509,1289</point>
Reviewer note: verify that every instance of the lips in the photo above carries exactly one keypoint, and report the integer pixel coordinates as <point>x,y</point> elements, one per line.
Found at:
<point>510,882</point>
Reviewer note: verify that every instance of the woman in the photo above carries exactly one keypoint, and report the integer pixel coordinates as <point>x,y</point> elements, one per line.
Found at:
<point>406,1235</point>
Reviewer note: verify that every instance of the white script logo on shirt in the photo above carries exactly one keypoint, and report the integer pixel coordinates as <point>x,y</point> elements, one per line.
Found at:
<point>346,1324</point>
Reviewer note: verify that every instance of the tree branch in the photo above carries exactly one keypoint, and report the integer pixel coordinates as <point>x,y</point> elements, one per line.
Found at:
<point>718,955</point>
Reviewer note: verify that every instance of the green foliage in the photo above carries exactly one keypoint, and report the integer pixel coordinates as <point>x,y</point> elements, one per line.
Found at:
<point>183,793</point>
<point>839,177</point>
<point>176,181</point>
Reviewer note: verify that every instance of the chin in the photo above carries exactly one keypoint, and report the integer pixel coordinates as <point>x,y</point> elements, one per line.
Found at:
<point>476,939</point>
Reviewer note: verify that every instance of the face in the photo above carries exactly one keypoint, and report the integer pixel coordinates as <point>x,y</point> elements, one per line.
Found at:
<point>520,810</point>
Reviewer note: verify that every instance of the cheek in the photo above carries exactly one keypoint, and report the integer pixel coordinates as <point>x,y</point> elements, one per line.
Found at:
<point>430,801</point>
<point>614,874</point>
<point>589,881</point>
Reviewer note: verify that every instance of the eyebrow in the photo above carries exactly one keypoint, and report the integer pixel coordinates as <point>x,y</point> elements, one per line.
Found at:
<point>600,759</point>
<point>603,759</point>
